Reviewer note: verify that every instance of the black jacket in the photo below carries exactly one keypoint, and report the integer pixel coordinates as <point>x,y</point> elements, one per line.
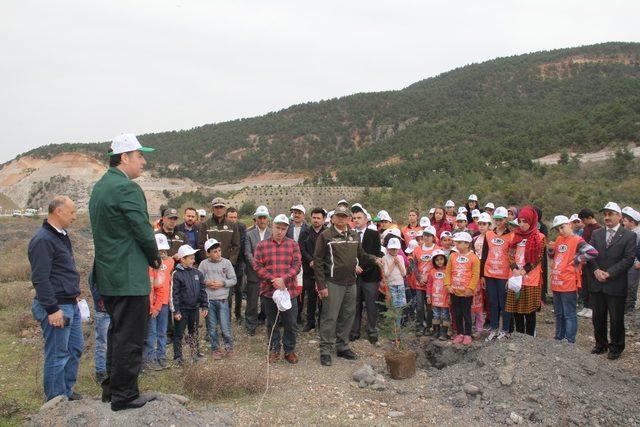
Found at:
<point>616,260</point>
<point>371,245</point>
<point>307,243</point>
<point>188,290</point>
<point>53,268</point>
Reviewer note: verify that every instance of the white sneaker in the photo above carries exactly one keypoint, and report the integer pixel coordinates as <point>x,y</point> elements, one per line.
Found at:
<point>588,313</point>
<point>503,335</point>
<point>491,336</point>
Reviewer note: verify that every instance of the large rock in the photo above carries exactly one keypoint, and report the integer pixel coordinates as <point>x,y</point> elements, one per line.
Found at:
<point>364,374</point>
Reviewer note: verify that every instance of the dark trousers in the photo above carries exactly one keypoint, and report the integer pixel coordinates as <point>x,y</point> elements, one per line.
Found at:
<point>189,321</point>
<point>367,294</point>
<point>462,312</point>
<point>525,323</point>
<point>251,309</point>
<point>424,314</point>
<point>288,319</point>
<point>125,344</point>
<point>584,291</point>
<point>235,293</point>
<point>613,306</point>
<point>497,296</point>
<point>309,290</point>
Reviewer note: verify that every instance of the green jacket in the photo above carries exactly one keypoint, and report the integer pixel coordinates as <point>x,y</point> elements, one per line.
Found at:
<point>122,236</point>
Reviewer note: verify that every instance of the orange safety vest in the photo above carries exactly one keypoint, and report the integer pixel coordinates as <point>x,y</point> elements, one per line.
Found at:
<point>409,233</point>
<point>534,277</point>
<point>461,270</point>
<point>497,263</point>
<point>423,260</point>
<point>438,292</point>
<point>565,276</point>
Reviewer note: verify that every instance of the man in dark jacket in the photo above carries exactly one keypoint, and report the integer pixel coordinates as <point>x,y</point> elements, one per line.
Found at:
<point>190,226</point>
<point>368,281</point>
<point>307,242</point>
<point>168,228</point>
<point>616,248</point>
<point>217,227</point>
<point>57,284</point>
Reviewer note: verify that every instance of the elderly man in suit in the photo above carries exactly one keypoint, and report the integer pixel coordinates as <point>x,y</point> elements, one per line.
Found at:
<point>608,280</point>
<point>255,235</point>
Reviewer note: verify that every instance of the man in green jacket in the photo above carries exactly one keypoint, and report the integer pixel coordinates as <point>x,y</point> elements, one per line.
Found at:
<point>124,249</point>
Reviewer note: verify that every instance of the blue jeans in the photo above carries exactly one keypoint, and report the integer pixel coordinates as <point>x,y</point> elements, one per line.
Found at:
<point>62,350</point>
<point>101,322</point>
<point>441,314</point>
<point>156,347</point>
<point>398,298</point>
<point>219,314</point>
<point>497,295</point>
<point>564,306</point>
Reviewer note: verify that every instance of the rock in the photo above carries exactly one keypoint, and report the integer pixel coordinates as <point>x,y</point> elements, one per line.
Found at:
<point>512,347</point>
<point>517,419</point>
<point>460,399</point>
<point>471,389</point>
<point>183,400</point>
<point>378,386</point>
<point>364,373</point>
<point>395,414</point>
<point>53,402</point>
<point>380,379</point>
<point>506,375</point>
<point>383,404</point>
<point>362,384</point>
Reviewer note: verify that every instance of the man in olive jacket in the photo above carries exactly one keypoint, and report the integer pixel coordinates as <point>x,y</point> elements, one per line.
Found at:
<point>124,249</point>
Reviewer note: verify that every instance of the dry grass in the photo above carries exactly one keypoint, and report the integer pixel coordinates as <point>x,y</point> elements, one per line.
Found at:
<point>15,266</point>
<point>222,379</point>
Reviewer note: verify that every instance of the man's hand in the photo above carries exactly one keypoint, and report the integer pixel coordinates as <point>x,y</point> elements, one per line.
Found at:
<point>359,269</point>
<point>311,264</point>
<point>177,316</point>
<point>56,319</point>
<point>636,266</point>
<point>204,312</point>
<point>278,283</point>
<point>601,276</point>
<point>323,293</point>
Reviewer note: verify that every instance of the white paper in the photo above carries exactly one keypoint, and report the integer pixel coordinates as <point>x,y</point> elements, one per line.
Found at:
<point>85,314</point>
<point>515,283</point>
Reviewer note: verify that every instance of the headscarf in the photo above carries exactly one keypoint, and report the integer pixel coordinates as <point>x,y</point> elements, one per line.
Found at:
<point>534,242</point>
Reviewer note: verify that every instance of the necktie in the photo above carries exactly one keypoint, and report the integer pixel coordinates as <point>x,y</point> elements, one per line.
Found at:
<point>360,235</point>
<point>610,233</point>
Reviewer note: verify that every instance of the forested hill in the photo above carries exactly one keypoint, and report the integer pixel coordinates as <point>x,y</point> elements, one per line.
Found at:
<point>476,120</point>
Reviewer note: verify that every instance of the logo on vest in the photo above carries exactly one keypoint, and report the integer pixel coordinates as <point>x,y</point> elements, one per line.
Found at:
<point>439,275</point>
<point>497,241</point>
<point>462,259</point>
<point>425,258</point>
<point>563,248</point>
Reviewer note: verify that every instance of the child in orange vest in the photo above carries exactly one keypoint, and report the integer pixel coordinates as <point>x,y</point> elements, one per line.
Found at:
<point>446,242</point>
<point>478,312</point>
<point>422,255</point>
<point>569,252</point>
<point>156,345</point>
<point>461,279</point>
<point>438,295</point>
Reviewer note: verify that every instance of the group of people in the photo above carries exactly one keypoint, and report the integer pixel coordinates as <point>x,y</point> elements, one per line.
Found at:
<point>453,273</point>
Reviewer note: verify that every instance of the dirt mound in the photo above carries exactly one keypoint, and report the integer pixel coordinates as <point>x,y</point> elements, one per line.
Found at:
<point>167,409</point>
<point>532,381</point>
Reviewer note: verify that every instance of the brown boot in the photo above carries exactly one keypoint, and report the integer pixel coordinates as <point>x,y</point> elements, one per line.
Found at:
<point>274,357</point>
<point>291,358</point>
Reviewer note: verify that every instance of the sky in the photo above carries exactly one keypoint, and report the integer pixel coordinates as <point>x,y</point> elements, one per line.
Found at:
<point>87,70</point>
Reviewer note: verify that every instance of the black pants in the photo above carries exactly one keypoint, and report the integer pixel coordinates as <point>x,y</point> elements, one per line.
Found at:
<point>286,319</point>
<point>462,312</point>
<point>189,321</point>
<point>613,306</point>
<point>309,290</point>
<point>525,323</point>
<point>584,291</point>
<point>125,343</point>
<point>251,320</point>
<point>367,294</point>
<point>424,313</point>
<point>236,292</point>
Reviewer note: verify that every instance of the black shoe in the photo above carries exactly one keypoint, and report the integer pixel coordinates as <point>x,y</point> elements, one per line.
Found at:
<point>75,396</point>
<point>139,402</point>
<point>308,328</point>
<point>347,354</point>
<point>613,355</point>
<point>106,397</point>
<point>352,338</point>
<point>373,340</point>
<point>598,350</point>
<point>325,360</point>
<point>251,332</point>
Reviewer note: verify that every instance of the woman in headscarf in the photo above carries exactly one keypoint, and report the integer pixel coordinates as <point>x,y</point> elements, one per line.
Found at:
<point>526,252</point>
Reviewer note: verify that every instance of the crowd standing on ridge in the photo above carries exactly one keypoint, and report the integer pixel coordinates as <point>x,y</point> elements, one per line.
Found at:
<point>461,274</point>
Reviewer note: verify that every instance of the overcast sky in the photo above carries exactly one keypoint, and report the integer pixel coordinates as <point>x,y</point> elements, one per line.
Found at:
<point>85,70</point>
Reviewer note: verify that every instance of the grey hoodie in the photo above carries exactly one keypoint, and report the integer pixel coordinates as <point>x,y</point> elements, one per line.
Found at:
<point>221,270</point>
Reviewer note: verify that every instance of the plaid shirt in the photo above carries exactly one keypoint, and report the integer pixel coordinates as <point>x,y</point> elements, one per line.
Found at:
<point>272,260</point>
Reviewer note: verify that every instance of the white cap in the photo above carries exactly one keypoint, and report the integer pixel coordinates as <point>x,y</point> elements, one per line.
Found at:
<point>281,219</point>
<point>445,233</point>
<point>384,216</point>
<point>425,222</point>
<point>449,204</point>
<point>473,198</point>
<point>368,215</point>
<point>575,217</point>
<point>462,209</point>
<point>611,206</point>
<point>343,202</point>
<point>412,247</point>
<point>282,299</point>
<point>372,227</point>
<point>299,208</point>
<point>357,205</point>
<point>438,252</point>
<point>462,236</point>
<point>429,229</point>
<point>186,250</point>
<point>202,212</point>
<point>631,213</point>
<point>261,211</point>
<point>560,220</point>
<point>514,221</point>
<point>500,212</point>
<point>475,213</point>
<point>209,243</point>
<point>162,242</point>
<point>393,243</point>
<point>484,217</point>
<point>328,218</point>
<point>127,142</point>
<point>461,217</point>
<point>490,206</point>
<point>432,211</point>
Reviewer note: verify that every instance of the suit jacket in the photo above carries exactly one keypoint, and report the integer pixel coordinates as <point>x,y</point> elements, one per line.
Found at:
<point>252,238</point>
<point>615,260</point>
<point>371,245</point>
<point>307,242</point>
<point>303,228</point>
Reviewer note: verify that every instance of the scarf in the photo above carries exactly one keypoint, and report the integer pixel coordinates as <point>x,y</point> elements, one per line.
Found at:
<point>533,246</point>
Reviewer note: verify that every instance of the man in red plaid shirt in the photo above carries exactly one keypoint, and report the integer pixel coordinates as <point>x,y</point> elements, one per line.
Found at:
<point>277,262</point>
